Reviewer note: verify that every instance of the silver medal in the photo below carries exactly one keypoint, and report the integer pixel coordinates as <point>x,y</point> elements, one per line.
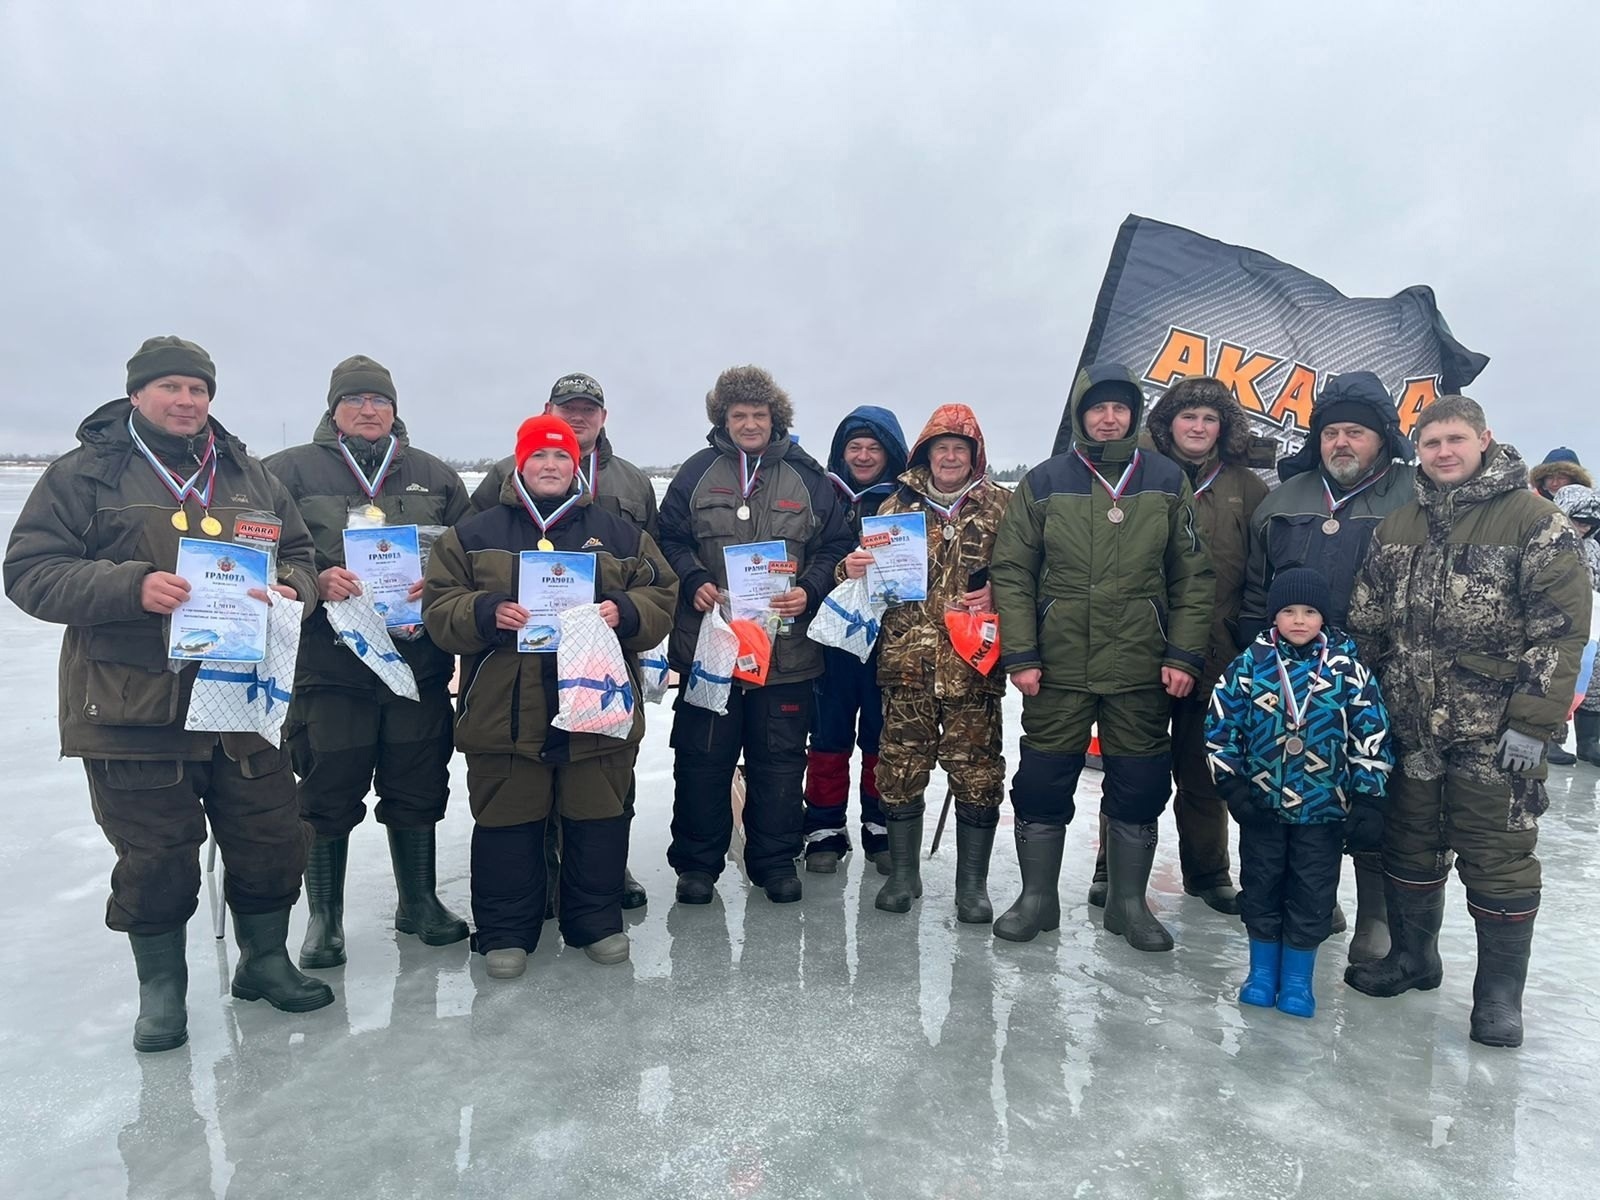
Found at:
<point>1331,525</point>
<point>949,533</point>
<point>1294,745</point>
<point>1115,515</point>
<point>743,512</point>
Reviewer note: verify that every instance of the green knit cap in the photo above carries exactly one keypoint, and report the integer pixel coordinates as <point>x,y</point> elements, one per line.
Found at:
<point>170,355</point>
<point>358,374</point>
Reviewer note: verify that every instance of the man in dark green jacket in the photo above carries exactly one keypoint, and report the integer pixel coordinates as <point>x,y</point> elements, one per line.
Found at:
<point>95,549</point>
<point>1105,594</point>
<point>347,730</point>
<point>1474,604</point>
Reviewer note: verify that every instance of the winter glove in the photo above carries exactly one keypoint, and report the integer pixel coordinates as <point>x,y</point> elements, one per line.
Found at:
<point>1363,825</point>
<point>1246,809</point>
<point>1520,752</point>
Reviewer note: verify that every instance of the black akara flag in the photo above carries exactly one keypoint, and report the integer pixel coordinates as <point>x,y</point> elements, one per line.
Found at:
<point>1175,303</point>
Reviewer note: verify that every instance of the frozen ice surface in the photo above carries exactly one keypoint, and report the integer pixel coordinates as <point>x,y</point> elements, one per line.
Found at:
<point>749,1050</point>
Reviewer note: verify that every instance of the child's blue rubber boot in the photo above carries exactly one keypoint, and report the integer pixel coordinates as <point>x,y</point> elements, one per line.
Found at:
<point>1294,987</point>
<point>1261,985</point>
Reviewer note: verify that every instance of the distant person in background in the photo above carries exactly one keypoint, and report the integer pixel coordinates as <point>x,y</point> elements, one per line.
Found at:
<point>866,459</point>
<point>1559,469</point>
<point>1353,470</point>
<point>1582,506</point>
<point>614,484</point>
<point>95,549</point>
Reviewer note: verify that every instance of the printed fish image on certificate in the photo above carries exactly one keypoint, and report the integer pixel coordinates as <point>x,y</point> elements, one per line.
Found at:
<point>899,546</point>
<point>548,583</point>
<point>757,573</point>
<point>387,561</point>
<point>220,621</point>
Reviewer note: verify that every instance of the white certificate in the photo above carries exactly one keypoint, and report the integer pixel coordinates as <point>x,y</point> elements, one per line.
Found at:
<point>758,572</point>
<point>899,546</point>
<point>387,562</point>
<point>548,583</point>
<point>220,621</point>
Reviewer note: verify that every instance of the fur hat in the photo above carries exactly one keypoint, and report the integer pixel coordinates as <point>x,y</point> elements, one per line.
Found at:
<point>358,374</point>
<point>1202,391</point>
<point>1559,461</point>
<point>170,355</point>
<point>749,385</point>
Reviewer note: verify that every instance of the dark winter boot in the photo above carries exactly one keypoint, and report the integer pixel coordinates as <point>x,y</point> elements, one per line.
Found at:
<point>1370,942</point>
<point>1587,727</point>
<point>1130,854</point>
<point>419,911</point>
<point>905,875</point>
<point>1415,914</point>
<point>1038,909</point>
<point>265,972</point>
<point>1558,755</point>
<point>975,828</point>
<point>1503,948</point>
<point>1336,921</point>
<point>325,864</point>
<point>696,887</point>
<point>1261,985</point>
<point>1099,883</point>
<point>633,893</point>
<point>163,1022</point>
<point>1294,982</point>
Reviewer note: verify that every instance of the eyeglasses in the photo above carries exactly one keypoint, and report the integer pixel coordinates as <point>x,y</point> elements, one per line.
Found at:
<point>365,398</point>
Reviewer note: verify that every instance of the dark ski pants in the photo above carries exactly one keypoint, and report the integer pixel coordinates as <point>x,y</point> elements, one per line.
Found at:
<point>344,742</point>
<point>1289,877</point>
<point>846,711</point>
<point>1135,751</point>
<point>154,815</point>
<point>768,726</point>
<point>1199,809</point>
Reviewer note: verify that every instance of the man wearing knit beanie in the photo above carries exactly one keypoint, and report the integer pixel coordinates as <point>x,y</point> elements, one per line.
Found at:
<point>95,549</point>
<point>348,732</point>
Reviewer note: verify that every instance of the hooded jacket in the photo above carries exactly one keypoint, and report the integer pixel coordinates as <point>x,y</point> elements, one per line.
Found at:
<point>417,489</point>
<point>791,500</point>
<point>622,489</point>
<point>508,699</point>
<point>1559,461</point>
<point>1346,729</point>
<point>1289,528</point>
<point>98,521</point>
<point>1227,494</point>
<point>1582,503</point>
<point>884,426</point>
<point>1476,603</point>
<point>1099,606</point>
<point>914,649</point>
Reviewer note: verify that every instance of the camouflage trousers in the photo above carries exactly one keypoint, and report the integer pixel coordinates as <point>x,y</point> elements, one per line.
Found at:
<point>962,736</point>
<point>1477,815</point>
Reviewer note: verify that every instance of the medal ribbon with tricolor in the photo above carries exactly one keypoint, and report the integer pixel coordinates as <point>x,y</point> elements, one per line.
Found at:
<point>180,488</point>
<point>1114,491</point>
<point>1335,505</point>
<point>1292,708</point>
<point>854,496</point>
<point>1209,479</point>
<point>374,485</point>
<point>587,480</point>
<point>545,524</point>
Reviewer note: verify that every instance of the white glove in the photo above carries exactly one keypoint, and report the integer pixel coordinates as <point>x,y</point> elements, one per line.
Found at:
<point>1519,752</point>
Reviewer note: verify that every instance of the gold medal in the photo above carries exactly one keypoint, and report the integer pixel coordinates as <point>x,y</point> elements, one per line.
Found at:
<point>211,525</point>
<point>372,512</point>
<point>1115,515</point>
<point>546,544</point>
<point>180,521</point>
<point>1331,525</point>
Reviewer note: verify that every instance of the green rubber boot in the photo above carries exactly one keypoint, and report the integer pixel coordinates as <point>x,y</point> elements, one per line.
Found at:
<point>163,1022</point>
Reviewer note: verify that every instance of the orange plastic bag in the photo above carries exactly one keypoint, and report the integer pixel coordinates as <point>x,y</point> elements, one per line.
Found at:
<point>976,638</point>
<point>755,652</point>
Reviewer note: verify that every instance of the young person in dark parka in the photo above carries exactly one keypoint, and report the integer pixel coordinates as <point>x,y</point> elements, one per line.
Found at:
<point>752,484</point>
<point>867,456</point>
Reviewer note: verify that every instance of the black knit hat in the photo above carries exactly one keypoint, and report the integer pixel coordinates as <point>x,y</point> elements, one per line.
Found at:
<point>1298,585</point>
<point>358,374</point>
<point>170,356</point>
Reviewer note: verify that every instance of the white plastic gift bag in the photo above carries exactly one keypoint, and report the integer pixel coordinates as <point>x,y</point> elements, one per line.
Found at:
<point>848,619</point>
<point>711,674</point>
<point>250,697</point>
<point>655,669</point>
<point>597,696</point>
<point>360,629</point>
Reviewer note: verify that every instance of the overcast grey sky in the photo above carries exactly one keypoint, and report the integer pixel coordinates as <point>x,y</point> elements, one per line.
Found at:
<point>904,204</point>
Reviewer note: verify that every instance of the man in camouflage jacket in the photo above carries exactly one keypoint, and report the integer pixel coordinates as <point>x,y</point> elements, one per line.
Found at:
<point>1476,600</point>
<point>937,707</point>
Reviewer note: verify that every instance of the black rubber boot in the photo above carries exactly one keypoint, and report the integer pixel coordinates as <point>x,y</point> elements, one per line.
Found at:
<point>1415,915</point>
<point>324,943</point>
<point>1370,942</point>
<point>419,910</point>
<point>1223,898</point>
<point>696,887</point>
<point>974,844</point>
<point>633,894</point>
<point>1100,882</point>
<point>163,1022</point>
<point>1038,909</point>
<point>905,875</point>
<point>1130,855</point>
<point>1587,727</point>
<point>1558,755</point>
<point>1503,948</point>
<point>265,972</point>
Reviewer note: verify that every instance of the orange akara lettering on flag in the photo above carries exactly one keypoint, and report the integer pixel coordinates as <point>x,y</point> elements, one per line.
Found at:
<point>1182,354</point>
<point>1238,369</point>
<point>1416,395</point>
<point>1296,396</point>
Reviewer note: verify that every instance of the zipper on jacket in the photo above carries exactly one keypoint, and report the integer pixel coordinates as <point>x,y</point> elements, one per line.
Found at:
<point>1160,624</point>
<point>466,696</point>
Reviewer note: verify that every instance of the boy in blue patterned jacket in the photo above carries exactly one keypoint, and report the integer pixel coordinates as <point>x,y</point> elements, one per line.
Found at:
<point>1298,742</point>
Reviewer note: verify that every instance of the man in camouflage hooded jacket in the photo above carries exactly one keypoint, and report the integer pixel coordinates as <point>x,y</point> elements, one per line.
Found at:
<point>938,707</point>
<point>1476,602</point>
